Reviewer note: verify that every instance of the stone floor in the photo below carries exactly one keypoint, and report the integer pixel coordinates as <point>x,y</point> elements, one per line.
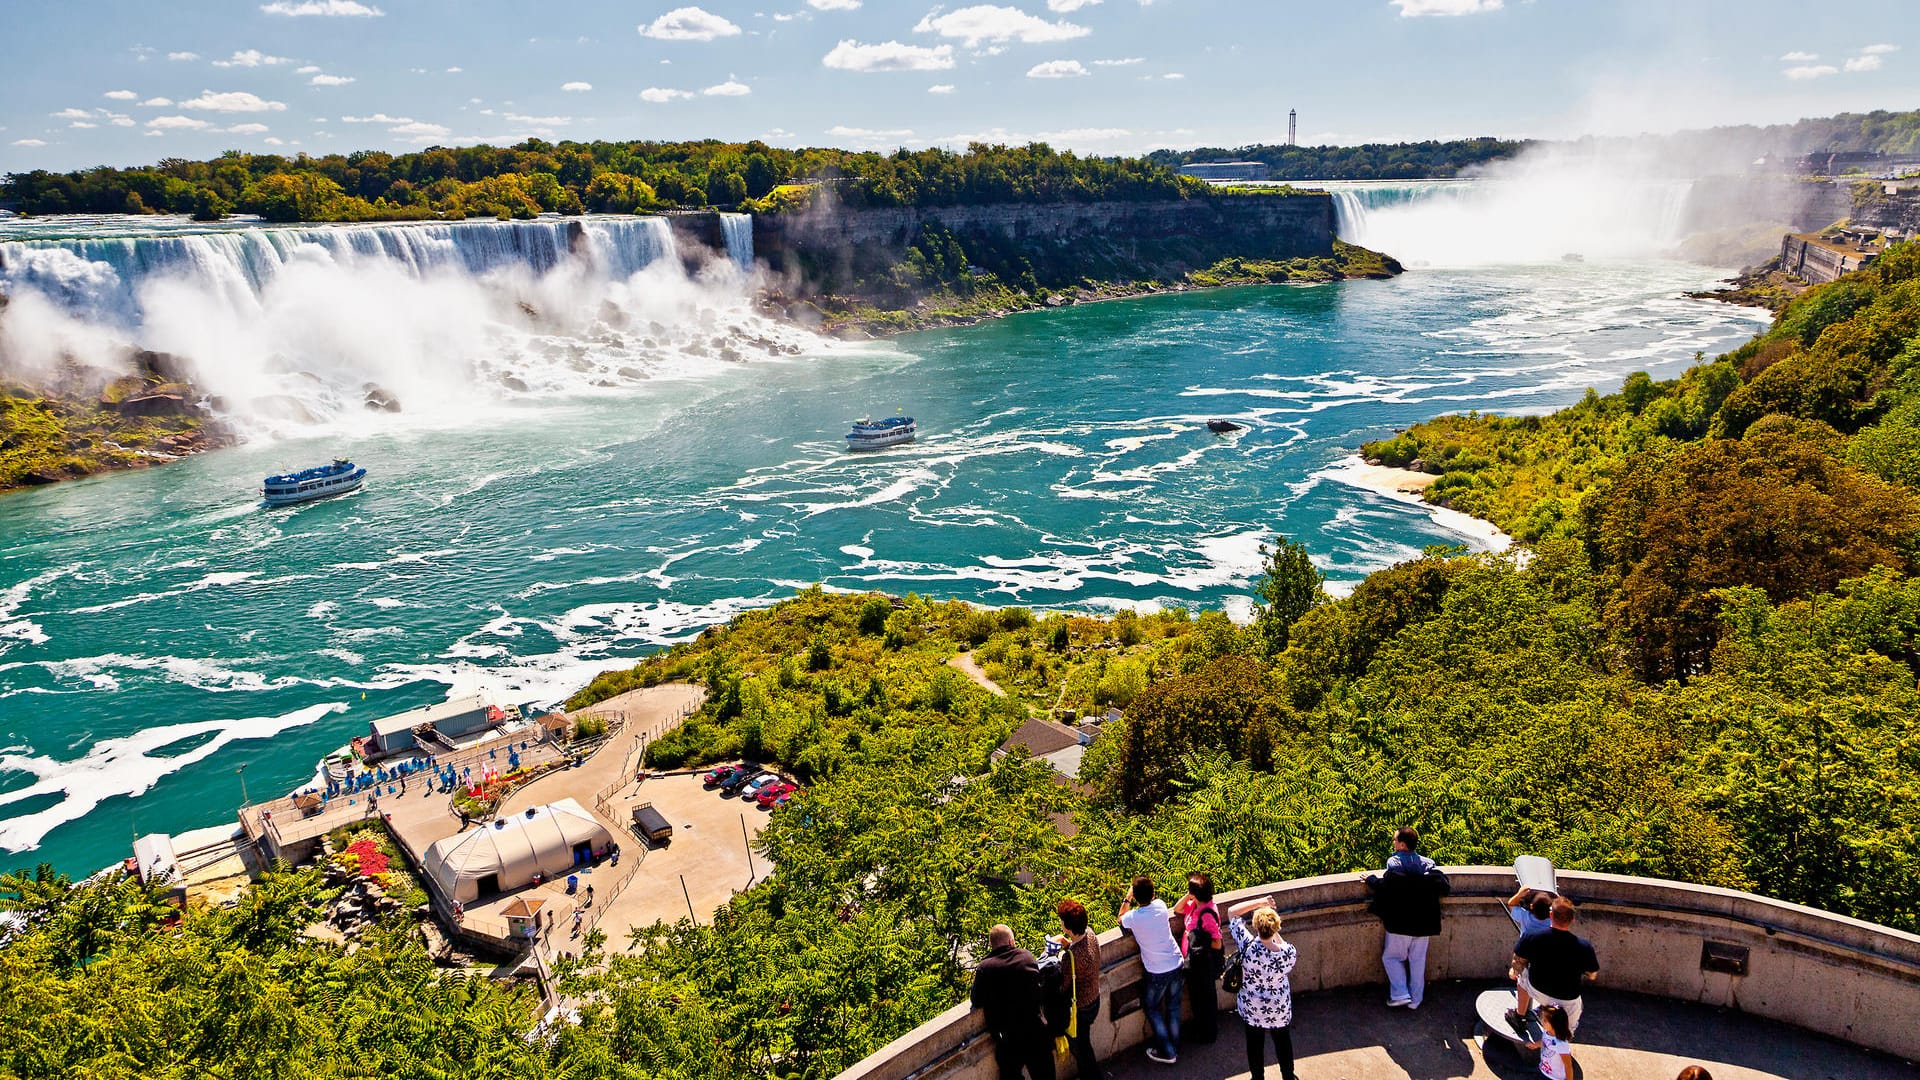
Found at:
<point>1352,1035</point>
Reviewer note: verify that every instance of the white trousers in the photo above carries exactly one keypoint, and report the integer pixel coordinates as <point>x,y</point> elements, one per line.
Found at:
<point>1405,959</point>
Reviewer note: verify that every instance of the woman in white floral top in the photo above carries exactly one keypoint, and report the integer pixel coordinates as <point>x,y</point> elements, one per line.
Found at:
<point>1265,1001</point>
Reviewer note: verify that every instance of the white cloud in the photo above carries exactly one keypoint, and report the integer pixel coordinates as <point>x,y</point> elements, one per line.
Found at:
<point>1413,8</point>
<point>940,88</point>
<point>889,56</point>
<point>833,5</point>
<point>1071,5</point>
<point>1864,63</point>
<point>1058,69</point>
<point>841,131</point>
<point>120,120</point>
<point>308,70</point>
<point>1880,49</point>
<point>1122,62</point>
<point>271,141</point>
<point>689,24</point>
<point>1811,71</point>
<point>330,80</point>
<point>660,95</point>
<point>731,88</point>
<point>539,121</point>
<point>419,130</point>
<point>83,124</point>
<point>376,118</point>
<point>157,103</point>
<point>233,101</point>
<point>341,8</point>
<point>455,70</point>
<point>29,142</point>
<point>1174,75</point>
<point>990,22</point>
<point>251,58</point>
<point>183,56</point>
<point>175,123</point>
<point>121,95</point>
<point>247,129</point>
<point>1799,56</point>
<point>576,87</point>
<point>72,114</point>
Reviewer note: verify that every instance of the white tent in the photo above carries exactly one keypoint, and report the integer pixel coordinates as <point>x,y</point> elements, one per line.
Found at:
<point>507,853</point>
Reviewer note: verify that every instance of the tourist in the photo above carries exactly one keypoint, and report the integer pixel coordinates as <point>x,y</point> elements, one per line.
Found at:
<point>1006,986</point>
<point>1529,909</point>
<point>1407,899</point>
<point>1551,968</point>
<point>459,911</point>
<point>589,895</point>
<point>1694,1072</point>
<point>1265,1000</point>
<point>613,855</point>
<point>1147,919</point>
<point>1085,950</point>
<point>1556,1044</point>
<point>579,916</point>
<point>1202,945</point>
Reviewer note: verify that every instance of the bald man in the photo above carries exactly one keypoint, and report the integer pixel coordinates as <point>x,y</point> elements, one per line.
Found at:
<point>1006,986</point>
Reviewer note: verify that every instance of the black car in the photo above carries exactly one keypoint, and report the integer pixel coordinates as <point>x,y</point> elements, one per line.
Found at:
<point>739,780</point>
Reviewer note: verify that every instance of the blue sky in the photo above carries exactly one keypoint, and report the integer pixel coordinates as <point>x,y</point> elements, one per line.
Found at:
<point>127,81</point>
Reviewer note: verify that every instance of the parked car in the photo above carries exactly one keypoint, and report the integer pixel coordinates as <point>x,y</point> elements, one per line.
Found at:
<point>771,792</point>
<point>759,784</point>
<point>717,776</point>
<point>786,797</point>
<point>739,780</point>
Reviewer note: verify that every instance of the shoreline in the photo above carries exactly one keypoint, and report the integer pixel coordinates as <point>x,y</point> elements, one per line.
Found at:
<point>1408,487</point>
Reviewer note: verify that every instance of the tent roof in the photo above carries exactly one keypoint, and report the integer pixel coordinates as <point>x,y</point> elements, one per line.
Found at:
<point>512,841</point>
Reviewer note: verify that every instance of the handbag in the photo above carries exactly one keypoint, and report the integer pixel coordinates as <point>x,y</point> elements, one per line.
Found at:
<point>1234,976</point>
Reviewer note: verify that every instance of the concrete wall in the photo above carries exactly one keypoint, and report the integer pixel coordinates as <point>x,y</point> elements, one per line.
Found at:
<point>1837,976</point>
<point>1816,263</point>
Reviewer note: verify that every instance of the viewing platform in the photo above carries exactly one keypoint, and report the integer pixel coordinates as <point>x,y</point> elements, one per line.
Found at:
<point>1689,975</point>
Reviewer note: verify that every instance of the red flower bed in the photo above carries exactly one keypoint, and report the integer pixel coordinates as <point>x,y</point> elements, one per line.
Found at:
<point>372,862</point>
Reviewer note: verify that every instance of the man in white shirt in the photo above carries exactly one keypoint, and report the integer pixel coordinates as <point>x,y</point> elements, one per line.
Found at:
<point>1147,920</point>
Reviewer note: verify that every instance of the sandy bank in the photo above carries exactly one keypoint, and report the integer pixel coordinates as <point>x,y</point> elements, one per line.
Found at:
<point>1406,486</point>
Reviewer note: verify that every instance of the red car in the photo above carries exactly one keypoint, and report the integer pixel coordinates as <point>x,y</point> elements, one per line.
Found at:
<point>716,777</point>
<point>776,794</point>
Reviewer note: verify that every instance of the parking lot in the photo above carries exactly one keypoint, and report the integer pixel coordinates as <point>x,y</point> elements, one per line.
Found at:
<point>709,851</point>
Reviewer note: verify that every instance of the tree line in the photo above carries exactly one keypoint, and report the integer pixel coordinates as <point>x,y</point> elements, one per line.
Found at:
<point>537,177</point>
<point>1371,161</point>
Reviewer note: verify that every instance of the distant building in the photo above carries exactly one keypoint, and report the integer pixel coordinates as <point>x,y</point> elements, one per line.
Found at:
<point>1056,744</point>
<point>545,841</point>
<point>451,721</point>
<point>1816,259</point>
<point>1227,170</point>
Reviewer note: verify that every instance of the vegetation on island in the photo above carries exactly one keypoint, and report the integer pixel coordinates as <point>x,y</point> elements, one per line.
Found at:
<point>1371,161</point>
<point>536,177</point>
<point>73,431</point>
<point>1703,668</point>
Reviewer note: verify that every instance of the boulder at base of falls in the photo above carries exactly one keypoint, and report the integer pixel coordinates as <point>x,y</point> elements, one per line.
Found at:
<point>153,405</point>
<point>379,400</point>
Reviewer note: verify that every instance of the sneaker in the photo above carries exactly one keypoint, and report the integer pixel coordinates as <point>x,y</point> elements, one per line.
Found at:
<point>1518,1023</point>
<point>1394,1003</point>
<point>1163,1059</point>
<point>1413,1006</point>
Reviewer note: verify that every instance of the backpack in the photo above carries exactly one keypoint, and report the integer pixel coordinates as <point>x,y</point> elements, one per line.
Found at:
<point>1057,998</point>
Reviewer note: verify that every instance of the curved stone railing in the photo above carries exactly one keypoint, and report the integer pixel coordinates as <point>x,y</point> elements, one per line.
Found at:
<point>1852,980</point>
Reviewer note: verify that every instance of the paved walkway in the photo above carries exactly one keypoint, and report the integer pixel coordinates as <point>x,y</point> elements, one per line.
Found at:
<point>1352,1035</point>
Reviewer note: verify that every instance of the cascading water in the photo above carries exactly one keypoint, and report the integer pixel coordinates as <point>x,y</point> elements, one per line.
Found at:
<point>738,230</point>
<point>288,327</point>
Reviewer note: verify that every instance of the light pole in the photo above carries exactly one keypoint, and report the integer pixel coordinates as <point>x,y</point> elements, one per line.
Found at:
<point>244,801</point>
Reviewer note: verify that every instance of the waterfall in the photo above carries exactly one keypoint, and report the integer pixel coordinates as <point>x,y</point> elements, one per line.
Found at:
<point>296,325</point>
<point>738,230</point>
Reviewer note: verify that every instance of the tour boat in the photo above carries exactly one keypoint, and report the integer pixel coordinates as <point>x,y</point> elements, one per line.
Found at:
<point>316,483</point>
<point>874,434</point>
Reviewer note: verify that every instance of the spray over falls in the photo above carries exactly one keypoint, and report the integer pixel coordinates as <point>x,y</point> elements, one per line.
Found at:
<point>285,328</point>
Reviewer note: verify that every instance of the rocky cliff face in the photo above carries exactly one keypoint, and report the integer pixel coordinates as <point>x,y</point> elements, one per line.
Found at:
<point>834,248</point>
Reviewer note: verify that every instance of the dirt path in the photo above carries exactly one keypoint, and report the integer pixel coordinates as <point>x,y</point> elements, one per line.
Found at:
<point>965,665</point>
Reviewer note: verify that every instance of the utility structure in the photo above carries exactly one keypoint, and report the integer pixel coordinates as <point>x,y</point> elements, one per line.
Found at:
<point>1293,121</point>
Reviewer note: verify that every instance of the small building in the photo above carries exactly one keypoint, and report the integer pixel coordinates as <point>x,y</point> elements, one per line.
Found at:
<point>523,917</point>
<point>451,719</point>
<point>1056,744</point>
<point>545,841</point>
<point>1814,258</point>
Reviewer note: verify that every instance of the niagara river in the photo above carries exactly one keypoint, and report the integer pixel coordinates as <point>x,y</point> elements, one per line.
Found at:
<point>599,453</point>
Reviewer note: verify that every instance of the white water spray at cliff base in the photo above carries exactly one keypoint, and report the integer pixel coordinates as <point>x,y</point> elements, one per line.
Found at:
<point>286,328</point>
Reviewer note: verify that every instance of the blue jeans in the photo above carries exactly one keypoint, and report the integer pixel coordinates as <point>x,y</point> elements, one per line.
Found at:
<point>1163,1010</point>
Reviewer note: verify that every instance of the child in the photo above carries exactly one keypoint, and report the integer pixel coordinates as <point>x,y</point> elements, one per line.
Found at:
<point>1556,1043</point>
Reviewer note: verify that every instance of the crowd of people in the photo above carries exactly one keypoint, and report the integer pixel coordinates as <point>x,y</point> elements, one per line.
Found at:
<point>1041,1008</point>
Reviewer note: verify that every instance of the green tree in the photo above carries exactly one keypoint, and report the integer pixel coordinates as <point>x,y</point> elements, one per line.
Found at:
<point>1290,587</point>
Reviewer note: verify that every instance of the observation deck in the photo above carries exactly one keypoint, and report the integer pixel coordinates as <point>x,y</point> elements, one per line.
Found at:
<point>1746,986</point>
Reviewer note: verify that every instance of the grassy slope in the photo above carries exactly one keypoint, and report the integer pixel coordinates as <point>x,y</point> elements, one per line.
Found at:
<point>45,439</point>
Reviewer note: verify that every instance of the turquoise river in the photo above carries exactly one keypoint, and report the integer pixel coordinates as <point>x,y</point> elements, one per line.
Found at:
<point>588,469</point>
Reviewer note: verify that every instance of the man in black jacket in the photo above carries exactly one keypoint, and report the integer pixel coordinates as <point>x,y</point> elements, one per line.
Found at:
<point>1006,986</point>
<point>1407,899</point>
